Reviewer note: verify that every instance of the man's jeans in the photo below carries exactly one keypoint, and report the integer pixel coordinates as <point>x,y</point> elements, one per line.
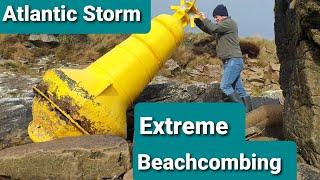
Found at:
<point>231,80</point>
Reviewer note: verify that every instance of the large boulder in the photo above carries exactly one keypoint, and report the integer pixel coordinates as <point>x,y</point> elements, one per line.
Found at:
<point>15,115</point>
<point>15,108</point>
<point>162,89</point>
<point>297,37</point>
<point>45,40</point>
<point>86,157</point>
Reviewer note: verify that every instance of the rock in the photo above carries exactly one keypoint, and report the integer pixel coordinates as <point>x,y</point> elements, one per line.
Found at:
<point>275,77</point>
<point>261,138</point>
<point>194,72</point>
<point>252,131</point>
<point>274,67</point>
<point>307,172</point>
<point>16,96</point>
<point>15,115</point>
<point>299,55</point>
<point>199,68</point>
<point>252,61</point>
<point>46,40</point>
<point>212,70</point>
<point>16,86</point>
<point>254,69</point>
<point>43,37</point>
<point>85,157</point>
<point>128,175</point>
<point>257,84</point>
<point>315,34</point>
<point>268,118</point>
<point>44,60</point>
<point>173,67</point>
<point>160,80</point>
<point>174,91</point>
<point>258,79</point>
<point>28,45</point>
<point>267,115</point>
<point>276,94</point>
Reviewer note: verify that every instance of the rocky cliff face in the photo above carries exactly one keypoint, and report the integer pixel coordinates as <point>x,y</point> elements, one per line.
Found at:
<point>297,30</point>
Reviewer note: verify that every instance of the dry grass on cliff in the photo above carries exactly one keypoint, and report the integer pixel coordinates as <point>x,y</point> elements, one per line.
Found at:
<point>85,49</point>
<point>73,48</point>
<point>196,49</point>
<point>199,49</point>
<point>268,50</point>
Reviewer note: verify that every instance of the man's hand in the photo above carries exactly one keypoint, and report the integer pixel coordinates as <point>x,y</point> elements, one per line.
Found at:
<point>201,15</point>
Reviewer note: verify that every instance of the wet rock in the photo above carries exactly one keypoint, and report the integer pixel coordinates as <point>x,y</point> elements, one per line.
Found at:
<point>299,55</point>
<point>86,157</point>
<point>15,115</point>
<point>16,86</point>
<point>307,172</point>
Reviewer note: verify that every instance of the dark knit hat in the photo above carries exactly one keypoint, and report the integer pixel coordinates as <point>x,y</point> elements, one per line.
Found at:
<point>220,10</point>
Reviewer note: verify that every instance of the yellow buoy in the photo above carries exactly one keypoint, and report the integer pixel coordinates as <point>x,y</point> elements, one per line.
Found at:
<point>94,100</point>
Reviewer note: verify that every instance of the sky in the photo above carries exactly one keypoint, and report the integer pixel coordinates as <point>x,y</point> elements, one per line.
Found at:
<point>254,17</point>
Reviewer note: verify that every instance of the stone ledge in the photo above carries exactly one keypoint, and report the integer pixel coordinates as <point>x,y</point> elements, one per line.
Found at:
<point>86,157</point>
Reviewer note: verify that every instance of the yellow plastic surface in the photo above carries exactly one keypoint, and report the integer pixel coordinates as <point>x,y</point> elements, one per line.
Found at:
<point>94,100</point>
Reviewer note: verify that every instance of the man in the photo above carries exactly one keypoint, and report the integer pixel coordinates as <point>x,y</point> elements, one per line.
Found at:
<point>228,49</point>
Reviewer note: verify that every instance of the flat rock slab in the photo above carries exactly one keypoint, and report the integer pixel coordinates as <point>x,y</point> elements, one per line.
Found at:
<point>86,157</point>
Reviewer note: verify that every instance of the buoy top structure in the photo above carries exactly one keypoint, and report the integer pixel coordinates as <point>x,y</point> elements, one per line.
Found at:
<point>94,100</point>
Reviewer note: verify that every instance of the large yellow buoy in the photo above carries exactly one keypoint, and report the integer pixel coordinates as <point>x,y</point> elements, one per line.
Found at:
<point>94,100</point>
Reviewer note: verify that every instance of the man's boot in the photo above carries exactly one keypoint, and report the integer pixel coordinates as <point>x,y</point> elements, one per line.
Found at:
<point>234,97</point>
<point>248,104</point>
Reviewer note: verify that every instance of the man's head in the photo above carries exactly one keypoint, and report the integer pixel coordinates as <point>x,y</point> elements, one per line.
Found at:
<point>220,13</point>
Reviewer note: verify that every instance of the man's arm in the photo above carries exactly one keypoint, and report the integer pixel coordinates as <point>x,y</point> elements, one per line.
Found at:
<point>211,28</point>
